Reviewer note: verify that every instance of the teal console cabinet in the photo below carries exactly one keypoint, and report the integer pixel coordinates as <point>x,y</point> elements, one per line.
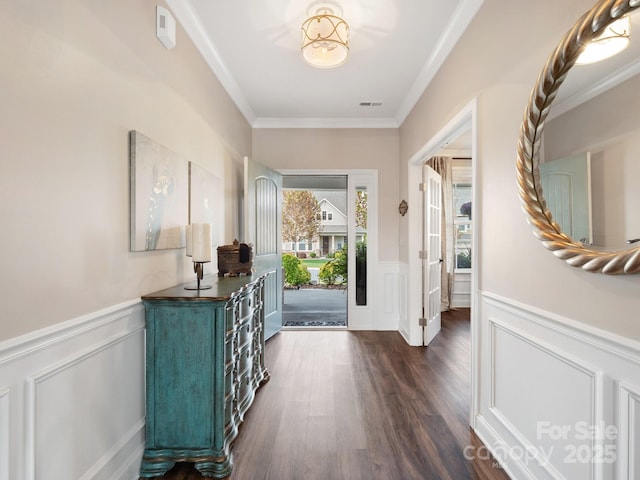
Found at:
<point>204,363</point>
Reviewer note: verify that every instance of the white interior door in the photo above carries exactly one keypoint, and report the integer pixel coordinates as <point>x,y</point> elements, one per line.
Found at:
<point>263,228</point>
<point>431,257</point>
<point>566,183</point>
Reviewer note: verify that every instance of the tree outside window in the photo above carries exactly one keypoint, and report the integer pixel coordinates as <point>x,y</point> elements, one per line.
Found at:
<point>361,247</point>
<point>300,223</point>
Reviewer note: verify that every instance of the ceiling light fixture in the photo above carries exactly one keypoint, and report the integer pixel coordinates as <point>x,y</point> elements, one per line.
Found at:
<point>325,37</point>
<point>613,40</point>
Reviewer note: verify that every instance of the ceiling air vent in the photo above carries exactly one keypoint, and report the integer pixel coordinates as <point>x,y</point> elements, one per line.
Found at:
<point>370,104</point>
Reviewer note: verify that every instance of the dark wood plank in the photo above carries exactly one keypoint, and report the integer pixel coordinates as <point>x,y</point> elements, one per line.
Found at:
<point>361,405</point>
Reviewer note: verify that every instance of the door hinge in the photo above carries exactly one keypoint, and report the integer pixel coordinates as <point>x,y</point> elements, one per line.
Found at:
<point>422,322</point>
<point>422,255</point>
<point>422,187</point>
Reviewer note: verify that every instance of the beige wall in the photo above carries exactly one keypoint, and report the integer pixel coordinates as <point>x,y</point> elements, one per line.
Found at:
<point>75,77</point>
<point>608,127</point>
<point>341,149</point>
<point>497,61</point>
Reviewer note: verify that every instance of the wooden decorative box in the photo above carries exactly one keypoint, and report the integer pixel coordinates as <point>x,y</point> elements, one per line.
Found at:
<point>236,259</point>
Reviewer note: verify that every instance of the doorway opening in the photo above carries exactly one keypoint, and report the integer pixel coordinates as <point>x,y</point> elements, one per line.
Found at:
<point>315,227</point>
<point>456,140</point>
<point>447,234</point>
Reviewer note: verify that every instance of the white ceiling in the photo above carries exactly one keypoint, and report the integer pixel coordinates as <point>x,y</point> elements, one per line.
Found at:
<point>396,47</point>
<point>585,82</point>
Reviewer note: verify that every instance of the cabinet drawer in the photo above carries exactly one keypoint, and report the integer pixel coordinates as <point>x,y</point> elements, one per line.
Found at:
<point>230,418</point>
<point>244,335</point>
<point>245,308</point>
<point>239,314</point>
<point>238,310</point>
<point>246,394</point>
<point>238,353</point>
<point>245,360</point>
<point>229,376</point>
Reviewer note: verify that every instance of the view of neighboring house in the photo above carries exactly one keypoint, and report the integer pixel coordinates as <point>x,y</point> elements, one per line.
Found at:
<point>333,226</point>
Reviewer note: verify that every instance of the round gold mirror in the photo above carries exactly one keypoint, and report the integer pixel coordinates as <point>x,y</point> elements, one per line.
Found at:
<point>576,253</point>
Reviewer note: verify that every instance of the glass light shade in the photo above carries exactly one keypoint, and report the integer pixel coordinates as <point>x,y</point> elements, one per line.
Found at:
<point>325,39</point>
<point>613,40</point>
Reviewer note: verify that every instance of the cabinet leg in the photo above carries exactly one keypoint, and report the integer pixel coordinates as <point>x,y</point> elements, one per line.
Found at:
<point>155,468</point>
<point>214,469</point>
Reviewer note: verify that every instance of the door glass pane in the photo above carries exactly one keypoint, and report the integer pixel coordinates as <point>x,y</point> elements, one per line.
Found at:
<point>361,246</point>
<point>462,194</point>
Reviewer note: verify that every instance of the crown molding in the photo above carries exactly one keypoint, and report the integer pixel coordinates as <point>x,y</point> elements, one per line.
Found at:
<point>448,40</point>
<point>325,123</point>
<point>185,14</point>
<point>597,88</point>
<point>187,18</point>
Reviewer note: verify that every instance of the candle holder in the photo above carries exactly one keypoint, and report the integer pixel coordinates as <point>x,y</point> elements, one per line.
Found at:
<point>198,270</point>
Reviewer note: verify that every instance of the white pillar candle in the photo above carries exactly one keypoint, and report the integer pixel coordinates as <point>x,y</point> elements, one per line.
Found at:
<point>201,242</point>
<point>189,241</point>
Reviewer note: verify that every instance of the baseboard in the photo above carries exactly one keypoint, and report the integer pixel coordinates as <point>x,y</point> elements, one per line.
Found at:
<point>405,335</point>
<point>72,398</point>
<point>496,448</point>
<point>122,461</point>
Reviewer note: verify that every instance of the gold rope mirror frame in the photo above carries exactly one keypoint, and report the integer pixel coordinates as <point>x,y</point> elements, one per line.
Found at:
<point>589,26</point>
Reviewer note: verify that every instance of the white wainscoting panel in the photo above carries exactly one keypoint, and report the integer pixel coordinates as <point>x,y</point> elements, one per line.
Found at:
<point>549,400</point>
<point>629,432</point>
<point>4,434</point>
<point>557,399</point>
<point>77,399</point>
<point>387,315</point>
<point>403,320</point>
<point>461,295</point>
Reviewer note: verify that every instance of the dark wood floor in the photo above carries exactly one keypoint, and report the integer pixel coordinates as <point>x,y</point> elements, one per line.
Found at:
<point>361,405</point>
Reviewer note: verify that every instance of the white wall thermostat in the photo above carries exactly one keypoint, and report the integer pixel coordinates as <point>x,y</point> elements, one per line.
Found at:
<point>165,27</point>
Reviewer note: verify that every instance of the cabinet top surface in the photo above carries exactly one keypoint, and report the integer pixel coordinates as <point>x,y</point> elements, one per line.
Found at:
<point>222,289</point>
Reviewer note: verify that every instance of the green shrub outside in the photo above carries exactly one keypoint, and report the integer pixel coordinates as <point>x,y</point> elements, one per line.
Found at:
<point>335,271</point>
<point>340,264</point>
<point>295,273</point>
<point>361,273</point>
<point>464,259</point>
<point>361,252</point>
<point>313,255</point>
<point>327,275</point>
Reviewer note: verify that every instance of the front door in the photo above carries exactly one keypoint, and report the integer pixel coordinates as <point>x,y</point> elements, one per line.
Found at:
<point>263,228</point>
<point>431,263</point>
<point>325,246</point>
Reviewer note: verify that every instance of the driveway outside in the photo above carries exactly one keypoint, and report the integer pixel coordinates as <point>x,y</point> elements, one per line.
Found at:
<point>314,307</point>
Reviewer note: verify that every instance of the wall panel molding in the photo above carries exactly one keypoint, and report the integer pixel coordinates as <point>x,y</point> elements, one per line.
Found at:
<point>403,321</point>
<point>628,440</point>
<point>30,343</point>
<point>583,383</point>
<point>584,333</point>
<point>541,371</point>
<point>5,422</point>
<point>77,398</point>
<point>461,295</point>
<point>387,313</point>
<point>545,349</point>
